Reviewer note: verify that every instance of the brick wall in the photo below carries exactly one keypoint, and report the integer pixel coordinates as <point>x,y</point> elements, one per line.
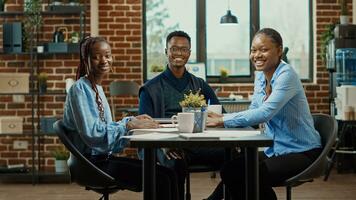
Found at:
<point>120,22</point>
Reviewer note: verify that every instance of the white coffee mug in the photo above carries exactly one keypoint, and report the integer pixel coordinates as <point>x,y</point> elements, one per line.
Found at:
<point>215,108</point>
<point>185,122</point>
<point>69,83</point>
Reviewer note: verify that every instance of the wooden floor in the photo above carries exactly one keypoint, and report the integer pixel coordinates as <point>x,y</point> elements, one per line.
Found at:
<point>338,187</point>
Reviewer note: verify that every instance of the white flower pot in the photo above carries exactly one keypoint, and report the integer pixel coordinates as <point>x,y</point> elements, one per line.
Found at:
<point>344,19</point>
<point>61,166</point>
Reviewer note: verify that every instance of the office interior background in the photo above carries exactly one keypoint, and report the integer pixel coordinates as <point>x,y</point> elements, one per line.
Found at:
<point>136,30</point>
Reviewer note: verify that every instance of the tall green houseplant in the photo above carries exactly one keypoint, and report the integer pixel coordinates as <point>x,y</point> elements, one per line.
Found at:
<point>32,23</point>
<point>325,37</point>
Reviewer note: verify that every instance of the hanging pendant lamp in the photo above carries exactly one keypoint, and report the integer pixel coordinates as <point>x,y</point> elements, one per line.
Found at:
<point>229,18</point>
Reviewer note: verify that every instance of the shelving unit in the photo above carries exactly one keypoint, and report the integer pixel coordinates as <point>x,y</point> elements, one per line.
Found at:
<point>36,136</point>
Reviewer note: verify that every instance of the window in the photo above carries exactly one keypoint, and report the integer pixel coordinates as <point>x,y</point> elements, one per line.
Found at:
<point>220,46</point>
<point>227,43</point>
<point>163,17</point>
<point>292,21</point>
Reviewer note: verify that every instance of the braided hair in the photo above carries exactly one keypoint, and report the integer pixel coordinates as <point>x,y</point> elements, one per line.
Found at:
<point>84,68</point>
<point>273,35</point>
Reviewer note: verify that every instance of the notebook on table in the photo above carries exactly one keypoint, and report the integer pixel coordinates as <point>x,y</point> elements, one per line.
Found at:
<point>219,134</point>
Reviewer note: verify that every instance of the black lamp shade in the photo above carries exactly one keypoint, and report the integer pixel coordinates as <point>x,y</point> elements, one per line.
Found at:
<point>228,18</point>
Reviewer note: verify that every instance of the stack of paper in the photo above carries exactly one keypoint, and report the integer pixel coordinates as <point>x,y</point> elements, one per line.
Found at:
<point>214,134</point>
<point>154,130</point>
<point>151,136</point>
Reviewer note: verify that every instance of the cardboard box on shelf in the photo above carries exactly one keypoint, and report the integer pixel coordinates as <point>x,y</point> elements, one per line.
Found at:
<point>14,82</point>
<point>9,125</point>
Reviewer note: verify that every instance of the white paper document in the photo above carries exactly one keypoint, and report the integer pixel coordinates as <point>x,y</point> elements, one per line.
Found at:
<point>220,134</point>
<point>154,130</point>
<point>151,136</point>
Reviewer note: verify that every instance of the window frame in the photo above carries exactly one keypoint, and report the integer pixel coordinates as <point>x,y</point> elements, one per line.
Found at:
<point>201,43</point>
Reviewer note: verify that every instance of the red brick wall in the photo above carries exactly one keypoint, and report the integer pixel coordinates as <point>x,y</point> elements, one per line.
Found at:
<point>120,21</point>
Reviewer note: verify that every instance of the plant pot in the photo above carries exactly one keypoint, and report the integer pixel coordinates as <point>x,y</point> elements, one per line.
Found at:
<point>344,19</point>
<point>61,166</point>
<point>223,79</point>
<point>42,88</point>
<point>200,117</point>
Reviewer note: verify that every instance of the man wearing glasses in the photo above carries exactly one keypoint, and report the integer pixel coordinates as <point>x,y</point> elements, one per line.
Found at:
<point>160,98</point>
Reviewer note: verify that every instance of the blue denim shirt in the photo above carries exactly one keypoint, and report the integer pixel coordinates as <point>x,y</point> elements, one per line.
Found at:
<point>81,116</point>
<point>285,113</point>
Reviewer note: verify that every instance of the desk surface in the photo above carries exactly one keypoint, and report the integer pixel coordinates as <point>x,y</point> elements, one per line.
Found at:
<point>248,141</point>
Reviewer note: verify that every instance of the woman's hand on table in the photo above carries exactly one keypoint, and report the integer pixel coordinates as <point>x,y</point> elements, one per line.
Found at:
<point>215,120</point>
<point>141,122</point>
<point>144,116</point>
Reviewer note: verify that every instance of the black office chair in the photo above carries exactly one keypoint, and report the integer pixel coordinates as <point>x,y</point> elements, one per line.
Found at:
<point>327,128</point>
<point>85,173</point>
<point>121,88</point>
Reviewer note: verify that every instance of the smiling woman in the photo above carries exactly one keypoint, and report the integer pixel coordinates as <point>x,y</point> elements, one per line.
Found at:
<point>280,104</point>
<point>87,116</point>
<point>266,52</point>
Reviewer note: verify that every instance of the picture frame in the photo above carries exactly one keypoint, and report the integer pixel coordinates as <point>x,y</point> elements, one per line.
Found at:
<point>197,69</point>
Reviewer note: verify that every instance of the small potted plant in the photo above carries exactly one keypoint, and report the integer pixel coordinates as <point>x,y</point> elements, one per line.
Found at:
<point>61,156</point>
<point>32,22</point>
<point>224,73</point>
<point>42,82</point>
<point>344,19</point>
<point>2,5</point>
<point>195,102</point>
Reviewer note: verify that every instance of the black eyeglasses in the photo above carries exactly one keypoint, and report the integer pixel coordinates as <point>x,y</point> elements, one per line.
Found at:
<point>182,50</point>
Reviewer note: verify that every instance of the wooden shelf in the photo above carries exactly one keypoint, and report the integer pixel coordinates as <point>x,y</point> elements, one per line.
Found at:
<point>55,10</point>
<point>49,92</point>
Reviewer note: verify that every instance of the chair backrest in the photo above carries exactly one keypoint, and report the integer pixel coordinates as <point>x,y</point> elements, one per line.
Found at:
<point>82,171</point>
<point>327,128</point>
<point>124,88</point>
<point>117,88</point>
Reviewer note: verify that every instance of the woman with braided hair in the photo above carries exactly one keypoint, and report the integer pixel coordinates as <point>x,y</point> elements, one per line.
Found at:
<point>87,115</point>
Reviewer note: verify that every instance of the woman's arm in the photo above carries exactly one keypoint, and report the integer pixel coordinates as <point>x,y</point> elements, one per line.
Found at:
<point>100,136</point>
<point>285,87</point>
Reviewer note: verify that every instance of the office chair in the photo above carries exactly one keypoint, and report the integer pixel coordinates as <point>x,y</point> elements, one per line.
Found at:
<point>327,128</point>
<point>122,88</point>
<point>85,173</point>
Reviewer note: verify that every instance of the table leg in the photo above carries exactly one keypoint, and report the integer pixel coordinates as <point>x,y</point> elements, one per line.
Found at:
<point>149,174</point>
<point>227,157</point>
<point>252,176</point>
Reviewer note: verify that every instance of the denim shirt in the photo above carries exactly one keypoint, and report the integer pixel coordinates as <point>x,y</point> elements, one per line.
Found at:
<point>81,117</point>
<point>285,113</point>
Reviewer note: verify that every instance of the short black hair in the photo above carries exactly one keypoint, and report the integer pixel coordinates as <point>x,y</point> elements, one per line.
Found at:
<point>273,34</point>
<point>177,34</point>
